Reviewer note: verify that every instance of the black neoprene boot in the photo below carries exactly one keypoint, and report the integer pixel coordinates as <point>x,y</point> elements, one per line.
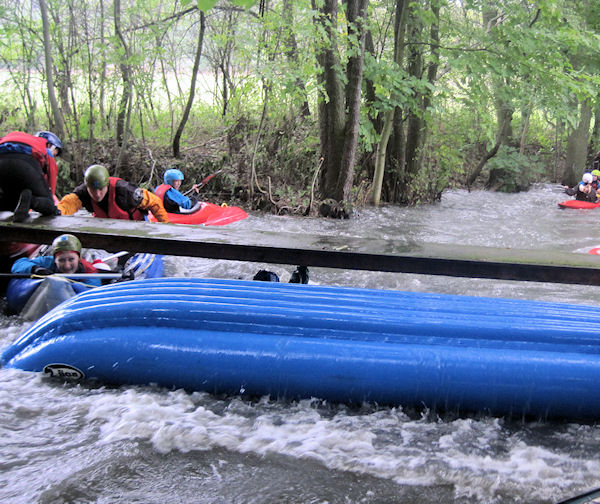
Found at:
<point>45,206</point>
<point>22,208</point>
<point>300,275</point>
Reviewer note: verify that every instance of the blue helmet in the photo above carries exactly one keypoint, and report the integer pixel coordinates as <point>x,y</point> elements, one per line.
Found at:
<point>171,175</point>
<point>51,138</point>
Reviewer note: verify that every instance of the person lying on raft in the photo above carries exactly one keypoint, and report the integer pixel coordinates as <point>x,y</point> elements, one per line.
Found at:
<point>173,200</point>
<point>111,197</point>
<point>584,191</point>
<point>66,258</point>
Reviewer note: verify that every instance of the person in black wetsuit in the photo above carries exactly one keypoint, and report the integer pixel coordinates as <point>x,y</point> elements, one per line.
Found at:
<point>28,173</point>
<point>585,190</point>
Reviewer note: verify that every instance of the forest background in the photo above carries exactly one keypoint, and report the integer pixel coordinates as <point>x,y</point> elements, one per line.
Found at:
<point>309,106</point>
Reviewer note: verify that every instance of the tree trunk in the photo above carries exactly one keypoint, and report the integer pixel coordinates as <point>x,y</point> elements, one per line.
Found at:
<point>395,179</point>
<point>125,75</point>
<point>525,116</point>
<point>500,139</point>
<point>59,125</point>
<point>380,156</point>
<point>102,84</point>
<point>432,67</point>
<point>370,95</point>
<point>388,122</point>
<point>415,119</point>
<point>504,111</point>
<point>292,51</point>
<point>357,16</point>
<point>332,107</point>
<point>594,143</point>
<point>576,160</point>
<point>190,101</point>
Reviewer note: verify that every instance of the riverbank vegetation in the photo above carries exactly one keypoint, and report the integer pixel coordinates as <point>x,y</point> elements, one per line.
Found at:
<point>310,106</point>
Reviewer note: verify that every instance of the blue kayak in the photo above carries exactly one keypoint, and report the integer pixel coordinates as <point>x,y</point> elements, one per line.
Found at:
<point>458,353</point>
<point>33,297</point>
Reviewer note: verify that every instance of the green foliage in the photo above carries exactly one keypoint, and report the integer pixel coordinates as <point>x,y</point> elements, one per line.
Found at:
<point>539,56</point>
<point>206,5</point>
<point>511,171</point>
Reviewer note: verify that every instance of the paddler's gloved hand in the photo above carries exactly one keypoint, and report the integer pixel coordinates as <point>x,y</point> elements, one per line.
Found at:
<point>127,276</point>
<point>40,270</point>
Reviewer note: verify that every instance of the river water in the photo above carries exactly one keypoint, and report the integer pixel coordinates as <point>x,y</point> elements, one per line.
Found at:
<point>64,443</point>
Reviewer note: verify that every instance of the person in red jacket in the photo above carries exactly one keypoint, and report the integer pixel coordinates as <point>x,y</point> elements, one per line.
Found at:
<point>111,197</point>
<point>28,173</point>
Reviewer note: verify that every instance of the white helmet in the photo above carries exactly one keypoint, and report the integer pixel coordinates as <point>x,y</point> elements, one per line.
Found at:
<point>587,178</point>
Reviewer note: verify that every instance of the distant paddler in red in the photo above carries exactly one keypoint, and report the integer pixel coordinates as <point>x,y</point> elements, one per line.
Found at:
<point>111,197</point>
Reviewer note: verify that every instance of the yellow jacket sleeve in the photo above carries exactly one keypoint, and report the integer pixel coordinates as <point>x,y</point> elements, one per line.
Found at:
<point>155,205</point>
<point>69,204</point>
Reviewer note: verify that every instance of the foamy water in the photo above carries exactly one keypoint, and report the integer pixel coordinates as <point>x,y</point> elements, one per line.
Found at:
<point>72,443</point>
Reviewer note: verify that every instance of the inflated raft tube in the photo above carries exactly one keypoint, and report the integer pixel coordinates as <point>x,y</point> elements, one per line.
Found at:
<point>460,353</point>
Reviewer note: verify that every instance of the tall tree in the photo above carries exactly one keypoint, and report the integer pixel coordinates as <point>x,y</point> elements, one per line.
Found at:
<point>59,125</point>
<point>339,111</point>
<point>401,7</point>
<point>190,100</point>
<point>124,108</point>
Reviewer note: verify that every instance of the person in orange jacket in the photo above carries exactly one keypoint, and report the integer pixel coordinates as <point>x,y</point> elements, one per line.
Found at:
<point>28,173</point>
<point>111,197</point>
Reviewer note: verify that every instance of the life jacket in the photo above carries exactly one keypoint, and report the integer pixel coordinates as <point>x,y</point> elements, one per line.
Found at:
<point>161,192</point>
<point>583,196</point>
<point>23,143</point>
<point>87,266</point>
<point>114,210</point>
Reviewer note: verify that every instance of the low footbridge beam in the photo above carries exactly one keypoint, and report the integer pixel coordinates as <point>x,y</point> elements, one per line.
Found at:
<point>353,253</point>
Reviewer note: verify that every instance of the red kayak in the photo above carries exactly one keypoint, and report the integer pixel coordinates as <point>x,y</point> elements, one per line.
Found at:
<point>579,204</point>
<point>206,214</point>
<point>15,250</point>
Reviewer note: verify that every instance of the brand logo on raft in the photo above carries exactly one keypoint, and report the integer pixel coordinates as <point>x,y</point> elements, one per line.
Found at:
<point>63,371</point>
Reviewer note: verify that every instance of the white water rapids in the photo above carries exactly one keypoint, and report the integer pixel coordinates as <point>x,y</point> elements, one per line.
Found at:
<point>76,443</point>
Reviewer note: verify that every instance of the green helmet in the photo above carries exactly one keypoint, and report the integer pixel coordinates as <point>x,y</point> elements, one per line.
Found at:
<point>596,172</point>
<point>66,243</point>
<point>96,176</point>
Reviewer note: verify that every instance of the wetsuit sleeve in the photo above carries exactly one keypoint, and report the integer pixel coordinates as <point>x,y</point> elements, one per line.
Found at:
<point>87,267</point>
<point>176,197</point>
<point>24,265</point>
<point>69,204</point>
<point>154,204</point>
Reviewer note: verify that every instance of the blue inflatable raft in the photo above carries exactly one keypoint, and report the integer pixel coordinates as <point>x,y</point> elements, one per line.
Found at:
<point>458,353</point>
